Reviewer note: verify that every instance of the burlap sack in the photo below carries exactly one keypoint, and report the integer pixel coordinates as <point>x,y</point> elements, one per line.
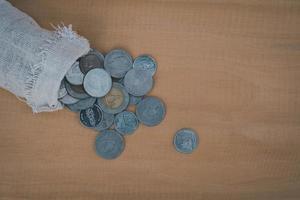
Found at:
<point>33,61</point>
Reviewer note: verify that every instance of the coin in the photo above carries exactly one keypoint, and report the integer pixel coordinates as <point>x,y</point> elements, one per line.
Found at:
<point>106,122</point>
<point>109,144</point>
<point>115,101</point>
<point>82,104</point>
<point>67,99</point>
<point>150,111</point>
<point>117,62</point>
<point>74,75</point>
<point>91,116</point>
<point>145,62</point>
<point>94,59</point>
<point>97,82</point>
<point>62,90</point>
<point>133,100</point>
<point>186,140</point>
<point>138,82</point>
<point>126,122</point>
<point>76,91</point>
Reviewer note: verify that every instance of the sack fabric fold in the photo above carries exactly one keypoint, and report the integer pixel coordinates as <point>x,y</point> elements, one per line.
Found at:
<point>33,61</point>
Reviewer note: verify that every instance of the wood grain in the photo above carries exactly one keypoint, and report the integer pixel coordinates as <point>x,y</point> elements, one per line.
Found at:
<point>229,69</point>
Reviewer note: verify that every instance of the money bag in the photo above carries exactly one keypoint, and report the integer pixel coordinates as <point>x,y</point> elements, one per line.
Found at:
<point>33,60</point>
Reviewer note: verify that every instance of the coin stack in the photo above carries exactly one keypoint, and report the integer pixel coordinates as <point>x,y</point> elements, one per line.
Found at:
<point>101,88</point>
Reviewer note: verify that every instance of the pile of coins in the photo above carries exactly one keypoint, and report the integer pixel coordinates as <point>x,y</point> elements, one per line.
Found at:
<point>101,90</point>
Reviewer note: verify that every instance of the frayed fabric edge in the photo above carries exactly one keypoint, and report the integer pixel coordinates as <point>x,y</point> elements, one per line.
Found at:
<point>61,32</point>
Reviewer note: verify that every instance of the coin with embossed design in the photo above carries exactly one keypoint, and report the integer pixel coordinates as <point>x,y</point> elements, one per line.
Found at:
<point>186,140</point>
<point>109,144</point>
<point>94,59</point>
<point>91,116</point>
<point>115,101</point>
<point>146,63</point>
<point>117,62</point>
<point>151,111</point>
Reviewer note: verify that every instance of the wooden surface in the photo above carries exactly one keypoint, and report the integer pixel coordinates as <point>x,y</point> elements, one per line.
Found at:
<point>229,69</point>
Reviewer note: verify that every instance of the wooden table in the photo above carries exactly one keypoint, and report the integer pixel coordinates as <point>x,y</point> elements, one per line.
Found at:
<point>228,69</point>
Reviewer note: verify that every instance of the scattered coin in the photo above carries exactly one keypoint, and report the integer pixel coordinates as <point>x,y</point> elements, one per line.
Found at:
<point>76,91</point>
<point>74,75</point>
<point>62,90</point>
<point>138,82</point>
<point>145,62</point>
<point>126,122</point>
<point>97,82</point>
<point>82,104</point>
<point>67,99</point>
<point>134,100</point>
<point>91,116</point>
<point>109,144</point>
<point>94,59</point>
<point>150,111</point>
<point>106,122</point>
<point>115,101</point>
<point>186,140</point>
<point>117,62</point>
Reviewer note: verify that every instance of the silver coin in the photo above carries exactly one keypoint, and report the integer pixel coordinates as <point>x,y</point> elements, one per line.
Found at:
<point>62,90</point>
<point>94,59</point>
<point>67,99</point>
<point>138,82</point>
<point>82,104</point>
<point>116,100</point>
<point>109,144</point>
<point>91,116</point>
<point>117,62</point>
<point>145,62</point>
<point>74,75</point>
<point>186,140</point>
<point>106,122</point>
<point>76,91</point>
<point>151,111</point>
<point>126,122</point>
<point>97,82</point>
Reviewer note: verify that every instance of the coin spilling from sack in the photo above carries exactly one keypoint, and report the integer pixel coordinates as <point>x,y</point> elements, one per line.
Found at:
<point>100,88</point>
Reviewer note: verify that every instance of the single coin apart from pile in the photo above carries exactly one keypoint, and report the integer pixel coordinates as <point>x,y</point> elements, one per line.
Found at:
<point>186,140</point>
